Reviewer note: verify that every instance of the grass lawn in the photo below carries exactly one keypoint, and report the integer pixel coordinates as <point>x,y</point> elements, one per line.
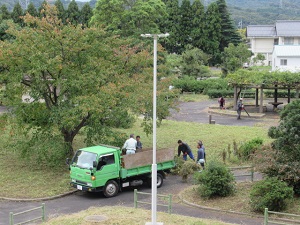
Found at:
<point>126,215</point>
<point>20,180</point>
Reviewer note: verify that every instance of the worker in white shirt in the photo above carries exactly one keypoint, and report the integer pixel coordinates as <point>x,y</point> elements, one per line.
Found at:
<point>130,145</point>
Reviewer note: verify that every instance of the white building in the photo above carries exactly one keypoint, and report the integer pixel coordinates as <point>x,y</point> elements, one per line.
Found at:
<point>263,38</point>
<point>286,58</point>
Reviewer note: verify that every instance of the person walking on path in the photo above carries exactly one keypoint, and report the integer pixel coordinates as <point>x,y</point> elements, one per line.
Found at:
<point>185,149</point>
<point>130,145</point>
<point>200,155</point>
<point>240,107</point>
<point>139,144</point>
<point>221,102</point>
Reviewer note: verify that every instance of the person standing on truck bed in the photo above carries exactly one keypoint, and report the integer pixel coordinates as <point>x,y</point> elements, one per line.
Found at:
<point>130,145</point>
<point>185,149</point>
<point>139,144</point>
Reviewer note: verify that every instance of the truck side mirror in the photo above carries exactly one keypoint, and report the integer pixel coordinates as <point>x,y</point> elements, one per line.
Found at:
<point>68,161</point>
<point>94,164</point>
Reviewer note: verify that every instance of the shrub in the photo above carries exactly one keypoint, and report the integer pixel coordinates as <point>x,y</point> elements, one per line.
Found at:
<point>280,94</point>
<point>216,93</point>
<point>215,180</point>
<point>187,168</point>
<point>248,149</point>
<point>270,193</point>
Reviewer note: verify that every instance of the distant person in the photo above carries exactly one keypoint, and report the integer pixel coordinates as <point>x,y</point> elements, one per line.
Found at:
<point>130,145</point>
<point>139,144</point>
<point>240,107</point>
<point>185,149</point>
<point>200,155</point>
<point>221,102</point>
<point>202,146</point>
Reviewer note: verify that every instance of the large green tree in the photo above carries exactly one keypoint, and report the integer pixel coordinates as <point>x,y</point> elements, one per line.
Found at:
<point>61,12</point>
<point>129,18</point>
<point>198,24</point>
<point>212,33</point>
<point>234,57</point>
<point>17,13</point>
<point>5,15</point>
<point>194,63</point>
<point>32,10</point>
<point>76,78</point>
<point>171,25</point>
<point>229,33</point>
<point>283,161</point>
<point>73,13</point>
<point>86,14</point>
<point>185,25</point>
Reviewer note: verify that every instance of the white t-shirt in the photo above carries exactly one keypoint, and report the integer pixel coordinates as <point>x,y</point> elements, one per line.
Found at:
<point>130,144</point>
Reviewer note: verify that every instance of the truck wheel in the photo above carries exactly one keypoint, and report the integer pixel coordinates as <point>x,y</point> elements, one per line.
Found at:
<point>111,189</point>
<point>160,181</point>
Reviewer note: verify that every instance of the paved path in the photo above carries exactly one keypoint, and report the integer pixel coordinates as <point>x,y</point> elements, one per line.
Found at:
<point>82,201</point>
<point>198,112</point>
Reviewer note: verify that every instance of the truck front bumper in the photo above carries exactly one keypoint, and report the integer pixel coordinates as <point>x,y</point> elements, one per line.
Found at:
<point>86,188</point>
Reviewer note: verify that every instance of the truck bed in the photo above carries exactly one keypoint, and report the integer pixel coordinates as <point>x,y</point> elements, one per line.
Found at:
<point>141,162</point>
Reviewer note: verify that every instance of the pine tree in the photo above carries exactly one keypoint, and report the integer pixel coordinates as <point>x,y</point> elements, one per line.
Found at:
<point>229,33</point>
<point>41,9</point>
<point>17,13</point>
<point>61,12</point>
<point>171,26</point>
<point>185,25</point>
<point>86,15</point>
<point>212,34</point>
<point>198,23</point>
<point>32,10</point>
<point>73,13</point>
<point>5,15</point>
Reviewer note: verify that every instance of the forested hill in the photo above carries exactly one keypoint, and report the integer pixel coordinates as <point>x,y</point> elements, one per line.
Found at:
<point>245,11</point>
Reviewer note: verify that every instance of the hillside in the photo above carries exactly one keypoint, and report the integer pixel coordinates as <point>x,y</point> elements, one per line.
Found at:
<point>249,12</point>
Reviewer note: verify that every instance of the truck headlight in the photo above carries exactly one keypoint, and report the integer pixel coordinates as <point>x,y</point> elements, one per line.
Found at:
<point>89,184</point>
<point>73,180</point>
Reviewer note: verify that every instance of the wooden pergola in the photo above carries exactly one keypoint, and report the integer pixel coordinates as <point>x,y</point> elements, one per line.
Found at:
<point>262,80</point>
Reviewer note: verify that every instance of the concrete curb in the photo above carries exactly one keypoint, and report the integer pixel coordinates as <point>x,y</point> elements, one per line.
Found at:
<point>215,209</point>
<point>252,115</point>
<point>37,199</point>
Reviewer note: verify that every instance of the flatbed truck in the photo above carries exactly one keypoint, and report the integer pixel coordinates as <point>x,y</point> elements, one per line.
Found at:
<point>104,169</point>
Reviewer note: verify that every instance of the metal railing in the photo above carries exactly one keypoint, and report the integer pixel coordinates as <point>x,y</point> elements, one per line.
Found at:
<point>12,215</point>
<point>250,174</point>
<point>283,220</point>
<point>167,198</point>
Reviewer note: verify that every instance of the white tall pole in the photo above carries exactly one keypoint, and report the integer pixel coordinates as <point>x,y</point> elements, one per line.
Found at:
<point>154,165</point>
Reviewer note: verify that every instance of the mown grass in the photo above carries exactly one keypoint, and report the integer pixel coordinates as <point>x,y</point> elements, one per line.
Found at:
<point>119,215</point>
<point>21,180</point>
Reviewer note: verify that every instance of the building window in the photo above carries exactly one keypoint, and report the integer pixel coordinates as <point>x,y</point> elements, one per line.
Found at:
<point>283,62</point>
<point>276,41</point>
<point>288,41</point>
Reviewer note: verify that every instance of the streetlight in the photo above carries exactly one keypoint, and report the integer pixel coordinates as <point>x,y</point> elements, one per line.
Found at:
<point>154,165</point>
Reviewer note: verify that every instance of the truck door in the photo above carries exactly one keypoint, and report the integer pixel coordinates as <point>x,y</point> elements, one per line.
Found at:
<point>107,169</point>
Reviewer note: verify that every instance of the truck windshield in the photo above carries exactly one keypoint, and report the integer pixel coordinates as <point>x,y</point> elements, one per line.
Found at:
<point>84,159</point>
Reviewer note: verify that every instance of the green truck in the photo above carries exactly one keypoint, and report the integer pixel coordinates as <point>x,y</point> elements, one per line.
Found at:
<point>104,169</point>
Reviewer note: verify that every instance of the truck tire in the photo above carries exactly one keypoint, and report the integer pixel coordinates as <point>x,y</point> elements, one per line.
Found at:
<point>160,181</point>
<point>111,189</point>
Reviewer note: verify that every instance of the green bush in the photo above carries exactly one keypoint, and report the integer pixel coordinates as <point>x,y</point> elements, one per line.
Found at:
<point>270,193</point>
<point>188,84</point>
<point>215,180</point>
<point>247,149</point>
<point>215,93</point>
